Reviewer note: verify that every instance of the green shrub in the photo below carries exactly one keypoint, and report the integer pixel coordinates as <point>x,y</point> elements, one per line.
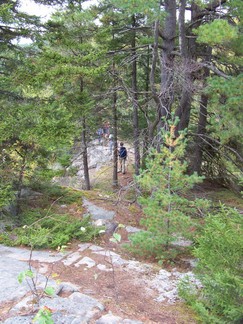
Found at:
<point>7,194</point>
<point>53,191</point>
<point>6,239</point>
<point>71,197</point>
<point>169,214</point>
<point>52,232</point>
<point>219,269</point>
<point>30,216</point>
<point>65,159</point>
<point>35,237</point>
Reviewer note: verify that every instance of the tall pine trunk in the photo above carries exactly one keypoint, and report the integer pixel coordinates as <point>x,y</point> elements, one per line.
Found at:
<point>135,99</point>
<point>114,122</point>
<point>201,127</point>
<point>115,148</point>
<point>183,110</point>
<point>165,58</point>
<point>20,180</point>
<point>85,155</point>
<point>201,131</point>
<point>84,148</point>
<point>167,63</point>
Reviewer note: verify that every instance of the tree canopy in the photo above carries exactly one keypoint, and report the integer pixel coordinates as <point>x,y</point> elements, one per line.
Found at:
<point>159,60</point>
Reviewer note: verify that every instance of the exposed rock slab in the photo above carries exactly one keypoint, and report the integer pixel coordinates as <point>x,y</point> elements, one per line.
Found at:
<point>98,212</point>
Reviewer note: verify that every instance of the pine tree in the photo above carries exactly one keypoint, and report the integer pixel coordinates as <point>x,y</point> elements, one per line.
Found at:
<point>170,213</point>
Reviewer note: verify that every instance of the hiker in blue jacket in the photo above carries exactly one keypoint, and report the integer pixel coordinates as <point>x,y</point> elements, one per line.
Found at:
<point>122,153</point>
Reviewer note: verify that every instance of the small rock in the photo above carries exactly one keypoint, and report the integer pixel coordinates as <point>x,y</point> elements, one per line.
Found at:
<point>109,319</point>
<point>43,268</point>
<point>23,305</point>
<point>86,301</point>
<point>96,248</point>
<point>163,274</point>
<point>99,222</point>
<point>98,212</point>
<point>112,319</point>
<point>110,228</point>
<point>182,242</point>
<point>131,229</point>
<point>88,292</point>
<point>67,287</point>
<point>103,267</point>
<point>87,261</point>
<point>83,247</point>
<point>19,320</point>
<point>71,258</point>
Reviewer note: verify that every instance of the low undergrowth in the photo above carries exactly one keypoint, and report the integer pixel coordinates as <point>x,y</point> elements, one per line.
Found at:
<point>51,232</point>
<point>51,220</point>
<point>219,269</point>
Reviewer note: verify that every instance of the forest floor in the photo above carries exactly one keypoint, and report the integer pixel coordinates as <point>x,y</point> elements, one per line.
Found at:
<point>124,293</point>
<point>119,293</point>
<point>127,294</point>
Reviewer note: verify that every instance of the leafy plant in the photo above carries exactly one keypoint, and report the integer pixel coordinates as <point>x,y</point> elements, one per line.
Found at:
<point>219,269</point>
<point>44,316</point>
<point>25,274</point>
<point>31,279</point>
<point>116,238</point>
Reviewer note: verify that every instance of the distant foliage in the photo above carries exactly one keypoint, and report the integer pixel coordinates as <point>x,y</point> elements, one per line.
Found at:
<point>219,251</point>
<point>217,32</point>
<point>223,159</point>
<point>226,96</point>
<point>137,6</point>
<point>6,195</point>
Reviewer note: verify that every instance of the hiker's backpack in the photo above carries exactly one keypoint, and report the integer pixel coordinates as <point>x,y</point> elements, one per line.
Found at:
<point>123,152</point>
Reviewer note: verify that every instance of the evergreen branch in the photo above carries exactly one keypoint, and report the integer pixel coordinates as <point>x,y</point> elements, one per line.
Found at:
<point>206,139</point>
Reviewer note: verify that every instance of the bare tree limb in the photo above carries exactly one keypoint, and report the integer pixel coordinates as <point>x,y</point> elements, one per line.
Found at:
<point>214,69</point>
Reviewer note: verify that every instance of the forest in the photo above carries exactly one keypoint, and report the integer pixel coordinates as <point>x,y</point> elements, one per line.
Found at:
<point>168,78</point>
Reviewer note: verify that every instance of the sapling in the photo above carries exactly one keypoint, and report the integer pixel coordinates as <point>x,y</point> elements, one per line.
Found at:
<point>165,185</point>
<point>44,315</point>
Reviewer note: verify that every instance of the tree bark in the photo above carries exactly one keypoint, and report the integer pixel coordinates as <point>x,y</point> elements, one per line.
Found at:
<point>85,155</point>
<point>155,94</point>
<point>115,148</point>
<point>167,63</point>
<point>20,181</point>
<point>164,98</point>
<point>184,108</point>
<point>182,29</point>
<point>115,122</point>
<point>201,127</point>
<point>147,141</point>
<point>135,99</point>
<point>201,130</point>
<point>84,148</point>
<point>196,161</point>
